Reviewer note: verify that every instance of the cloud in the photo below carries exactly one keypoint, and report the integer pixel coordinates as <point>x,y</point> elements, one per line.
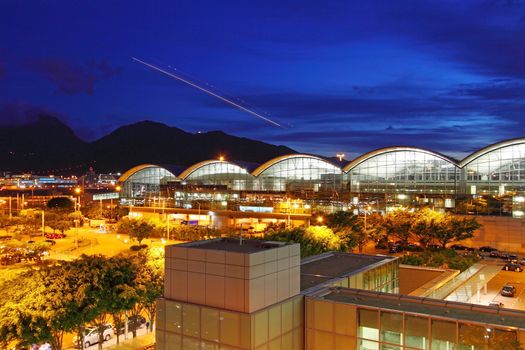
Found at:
<point>21,113</point>
<point>72,79</point>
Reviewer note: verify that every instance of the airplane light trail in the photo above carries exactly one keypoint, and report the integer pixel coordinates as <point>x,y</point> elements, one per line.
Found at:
<point>211,93</point>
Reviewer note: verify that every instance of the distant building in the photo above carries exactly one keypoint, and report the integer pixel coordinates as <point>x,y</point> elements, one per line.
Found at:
<point>388,177</point>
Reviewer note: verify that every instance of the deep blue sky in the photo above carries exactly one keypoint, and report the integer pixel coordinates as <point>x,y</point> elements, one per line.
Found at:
<point>346,76</point>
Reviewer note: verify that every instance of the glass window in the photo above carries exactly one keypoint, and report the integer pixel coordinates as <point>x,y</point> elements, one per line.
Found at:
<point>230,328</point>
<point>416,332</point>
<point>261,327</point>
<point>391,327</point>
<point>210,324</point>
<point>368,324</point>
<point>274,324</point>
<point>173,316</point>
<point>368,345</point>
<point>443,335</point>
<point>500,339</point>
<point>191,320</point>
<point>472,337</point>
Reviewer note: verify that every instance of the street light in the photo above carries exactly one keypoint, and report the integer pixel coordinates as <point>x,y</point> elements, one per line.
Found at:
<point>77,192</point>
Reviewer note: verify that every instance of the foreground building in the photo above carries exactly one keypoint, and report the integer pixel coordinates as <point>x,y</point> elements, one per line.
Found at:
<point>249,294</point>
<point>387,177</point>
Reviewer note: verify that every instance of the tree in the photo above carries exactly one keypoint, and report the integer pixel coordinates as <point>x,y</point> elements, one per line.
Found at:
<point>351,229</point>
<point>426,224</point>
<point>150,281</point>
<point>456,229</point>
<point>63,203</point>
<point>398,224</point>
<point>137,229</point>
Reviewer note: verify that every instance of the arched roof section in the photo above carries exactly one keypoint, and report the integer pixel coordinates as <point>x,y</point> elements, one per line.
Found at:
<point>393,149</point>
<point>187,172</point>
<point>138,168</point>
<point>490,148</point>
<point>262,168</point>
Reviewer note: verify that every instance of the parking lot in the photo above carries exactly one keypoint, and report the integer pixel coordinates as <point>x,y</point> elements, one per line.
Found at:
<point>494,286</point>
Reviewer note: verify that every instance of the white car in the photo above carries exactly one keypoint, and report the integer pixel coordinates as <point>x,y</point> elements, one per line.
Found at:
<point>91,335</point>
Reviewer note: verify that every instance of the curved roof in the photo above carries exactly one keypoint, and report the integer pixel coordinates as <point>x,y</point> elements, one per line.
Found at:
<point>391,149</point>
<point>276,160</point>
<point>490,148</point>
<point>140,167</point>
<point>188,171</point>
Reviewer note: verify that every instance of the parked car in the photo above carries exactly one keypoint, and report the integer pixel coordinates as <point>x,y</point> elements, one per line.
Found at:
<point>393,249</point>
<point>494,254</point>
<point>55,235</point>
<point>512,267</point>
<point>513,258</point>
<point>50,241</point>
<point>504,256</point>
<point>496,304</point>
<point>134,322</point>
<point>522,261</point>
<point>508,290</point>
<point>91,335</point>
<point>434,246</point>
<point>487,249</point>
<point>458,247</point>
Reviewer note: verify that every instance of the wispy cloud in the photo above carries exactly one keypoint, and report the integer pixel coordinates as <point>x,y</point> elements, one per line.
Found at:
<point>71,79</point>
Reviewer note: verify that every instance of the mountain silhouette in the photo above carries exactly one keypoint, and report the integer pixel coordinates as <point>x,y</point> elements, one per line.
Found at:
<point>50,146</point>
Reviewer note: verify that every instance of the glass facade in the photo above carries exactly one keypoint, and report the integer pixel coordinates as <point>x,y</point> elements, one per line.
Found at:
<point>386,178</point>
<point>363,328</point>
<point>500,171</point>
<point>146,182</point>
<point>300,173</point>
<point>405,172</point>
<point>189,326</point>
<point>383,278</point>
<point>221,173</point>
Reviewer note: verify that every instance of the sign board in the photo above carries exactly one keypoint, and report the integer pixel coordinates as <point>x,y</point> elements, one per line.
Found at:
<point>103,196</point>
<point>245,208</point>
<point>190,222</point>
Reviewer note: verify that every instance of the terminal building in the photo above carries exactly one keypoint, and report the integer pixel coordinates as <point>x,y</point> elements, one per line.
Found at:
<point>248,294</point>
<point>385,178</point>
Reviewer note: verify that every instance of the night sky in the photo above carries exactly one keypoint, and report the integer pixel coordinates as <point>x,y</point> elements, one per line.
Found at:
<point>347,76</point>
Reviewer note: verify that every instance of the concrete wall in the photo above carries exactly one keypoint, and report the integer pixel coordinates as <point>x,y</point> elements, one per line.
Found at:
<point>411,278</point>
<point>503,233</point>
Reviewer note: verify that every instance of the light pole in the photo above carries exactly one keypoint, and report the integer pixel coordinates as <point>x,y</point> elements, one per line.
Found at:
<point>78,191</point>
<point>367,208</point>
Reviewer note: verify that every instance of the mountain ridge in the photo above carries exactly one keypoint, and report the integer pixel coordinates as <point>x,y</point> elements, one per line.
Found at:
<point>49,145</point>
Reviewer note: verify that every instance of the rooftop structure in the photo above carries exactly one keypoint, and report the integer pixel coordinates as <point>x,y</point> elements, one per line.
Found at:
<point>330,268</point>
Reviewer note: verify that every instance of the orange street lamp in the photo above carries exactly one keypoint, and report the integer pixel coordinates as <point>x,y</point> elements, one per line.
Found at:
<point>77,192</point>
<point>221,158</point>
<point>118,188</point>
<point>320,219</point>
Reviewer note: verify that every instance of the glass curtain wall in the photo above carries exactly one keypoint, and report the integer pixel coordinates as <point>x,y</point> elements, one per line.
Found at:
<point>222,173</point>
<point>301,174</point>
<point>386,330</point>
<point>498,172</point>
<point>146,182</point>
<point>405,172</point>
